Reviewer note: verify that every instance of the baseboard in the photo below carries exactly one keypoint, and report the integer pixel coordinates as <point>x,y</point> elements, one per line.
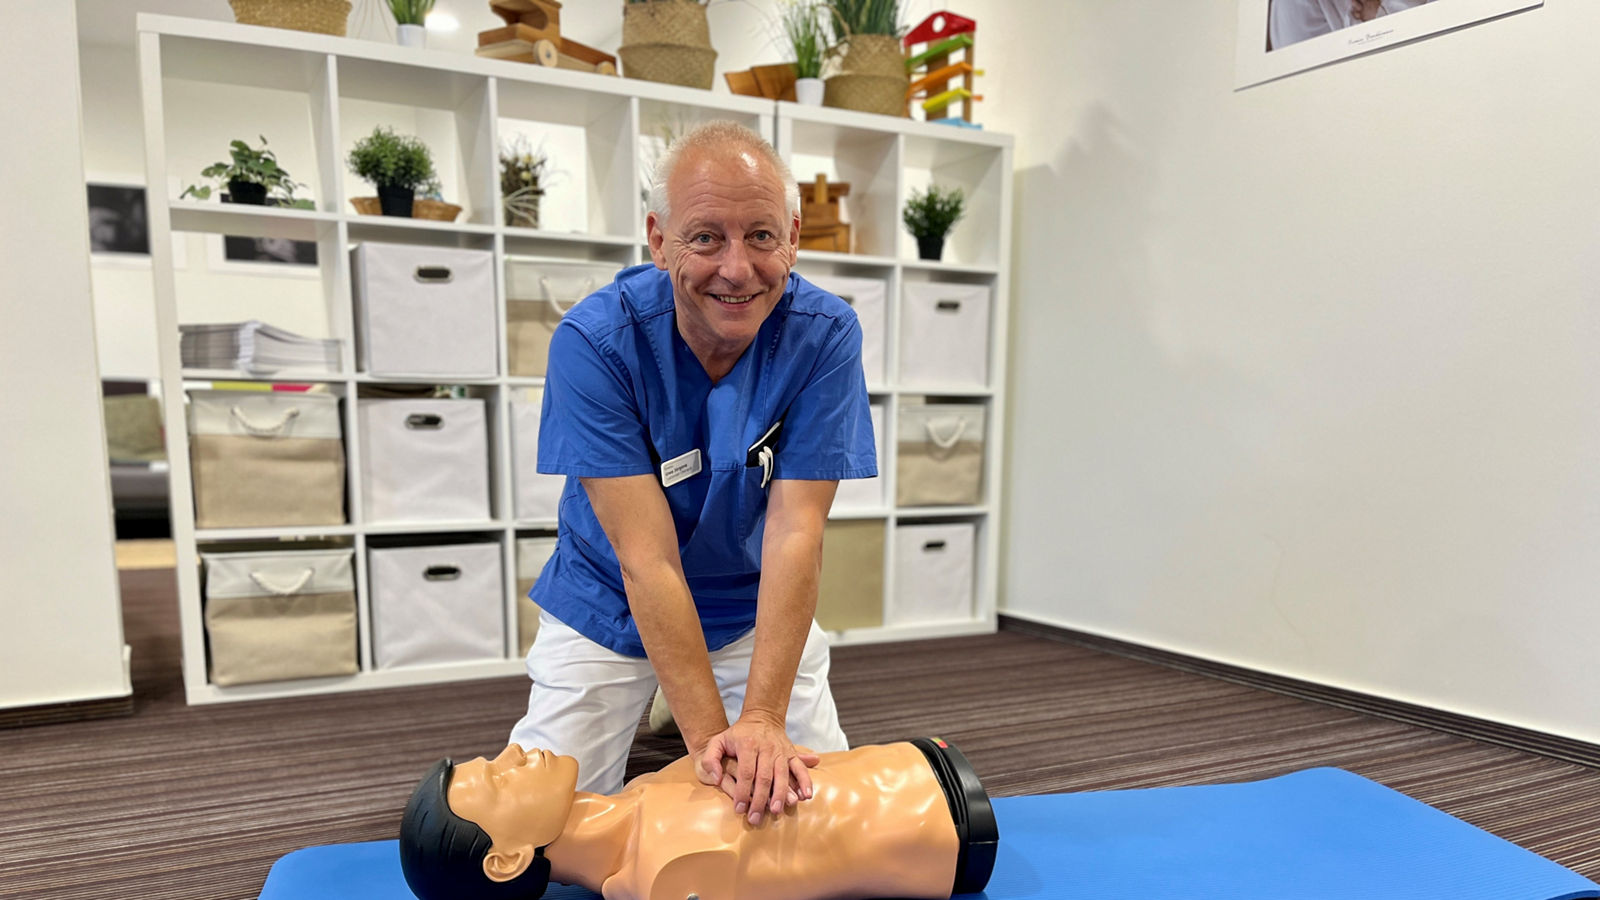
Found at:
<point>56,713</point>
<point>1567,749</point>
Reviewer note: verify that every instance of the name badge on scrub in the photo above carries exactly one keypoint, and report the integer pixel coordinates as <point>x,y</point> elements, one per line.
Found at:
<point>680,467</point>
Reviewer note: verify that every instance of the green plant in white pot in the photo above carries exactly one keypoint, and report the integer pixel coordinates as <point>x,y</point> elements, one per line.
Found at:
<point>396,165</point>
<point>410,18</point>
<point>802,25</point>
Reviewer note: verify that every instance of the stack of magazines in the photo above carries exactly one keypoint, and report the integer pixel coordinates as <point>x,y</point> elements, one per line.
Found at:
<point>255,347</point>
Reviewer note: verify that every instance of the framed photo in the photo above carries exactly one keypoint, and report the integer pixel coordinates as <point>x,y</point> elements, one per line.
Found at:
<point>261,256</point>
<point>1281,37</point>
<point>119,224</point>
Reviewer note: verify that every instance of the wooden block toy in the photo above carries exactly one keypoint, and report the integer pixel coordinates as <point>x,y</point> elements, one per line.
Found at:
<point>775,82</point>
<point>932,69</point>
<point>532,34</point>
<point>820,225</point>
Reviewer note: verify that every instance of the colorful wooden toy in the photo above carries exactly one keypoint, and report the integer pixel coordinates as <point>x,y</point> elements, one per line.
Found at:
<point>932,69</point>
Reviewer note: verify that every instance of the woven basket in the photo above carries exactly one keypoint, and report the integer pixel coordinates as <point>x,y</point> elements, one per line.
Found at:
<point>667,41</point>
<point>321,16</point>
<point>872,77</point>
<point>438,210</point>
<point>367,206</point>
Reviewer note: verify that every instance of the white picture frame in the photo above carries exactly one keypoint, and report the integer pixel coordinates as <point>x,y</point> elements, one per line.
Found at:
<point>1281,37</point>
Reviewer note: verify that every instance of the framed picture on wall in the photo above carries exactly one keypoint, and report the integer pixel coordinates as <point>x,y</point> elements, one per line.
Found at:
<point>119,224</point>
<point>241,255</point>
<point>1281,37</point>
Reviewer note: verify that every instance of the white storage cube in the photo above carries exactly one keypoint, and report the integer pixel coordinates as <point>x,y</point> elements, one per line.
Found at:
<point>538,496</point>
<point>434,605</point>
<point>933,574</point>
<point>867,493</point>
<point>424,460</point>
<point>532,554</point>
<point>869,297</point>
<point>425,310</point>
<point>944,336</point>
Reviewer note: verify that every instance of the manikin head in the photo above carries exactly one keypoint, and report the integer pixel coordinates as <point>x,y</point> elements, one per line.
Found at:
<point>724,221</point>
<point>485,824</point>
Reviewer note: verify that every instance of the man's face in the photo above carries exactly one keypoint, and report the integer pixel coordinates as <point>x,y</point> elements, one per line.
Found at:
<point>518,798</point>
<point>729,246</point>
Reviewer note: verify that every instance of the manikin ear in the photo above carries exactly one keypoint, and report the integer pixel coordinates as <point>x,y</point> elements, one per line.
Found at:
<point>504,865</point>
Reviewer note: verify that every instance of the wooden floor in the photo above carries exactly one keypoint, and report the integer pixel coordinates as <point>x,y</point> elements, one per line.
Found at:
<point>195,803</point>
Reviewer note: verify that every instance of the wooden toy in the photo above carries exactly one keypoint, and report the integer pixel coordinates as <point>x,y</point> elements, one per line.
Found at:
<point>932,69</point>
<point>820,228</point>
<point>532,34</point>
<point>775,82</point>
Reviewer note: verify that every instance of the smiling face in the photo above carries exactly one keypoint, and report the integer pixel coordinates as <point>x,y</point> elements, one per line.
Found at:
<point>729,245</point>
<point>520,799</point>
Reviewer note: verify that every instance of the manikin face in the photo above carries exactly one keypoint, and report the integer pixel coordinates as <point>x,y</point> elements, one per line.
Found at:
<point>729,245</point>
<point>520,799</point>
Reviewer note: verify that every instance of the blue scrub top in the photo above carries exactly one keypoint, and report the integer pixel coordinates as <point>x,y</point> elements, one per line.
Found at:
<point>624,394</point>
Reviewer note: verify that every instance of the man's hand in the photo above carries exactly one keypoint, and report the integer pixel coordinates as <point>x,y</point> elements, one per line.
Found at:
<point>755,764</point>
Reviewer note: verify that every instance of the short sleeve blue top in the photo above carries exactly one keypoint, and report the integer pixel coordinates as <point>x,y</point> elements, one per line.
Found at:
<point>625,394</point>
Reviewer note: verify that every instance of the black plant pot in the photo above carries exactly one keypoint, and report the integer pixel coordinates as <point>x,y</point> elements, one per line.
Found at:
<point>396,201</point>
<point>930,246</point>
<point>247,192</point>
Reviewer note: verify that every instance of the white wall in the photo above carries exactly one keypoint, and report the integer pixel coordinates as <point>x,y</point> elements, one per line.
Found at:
<point>62,640</point>
<point>1305,377</point>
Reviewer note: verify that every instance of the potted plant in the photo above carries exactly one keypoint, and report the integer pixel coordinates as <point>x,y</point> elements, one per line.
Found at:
<point>872,73</point>
<point>411,16</point>
<point>667,41</point>
<point>803,27</point>
<point>930,216</point>
<point>396,165</point>
<point>251,176</point>
<point>521,182</point>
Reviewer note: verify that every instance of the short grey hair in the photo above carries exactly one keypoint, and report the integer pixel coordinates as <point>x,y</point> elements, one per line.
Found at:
<point>720,133</point>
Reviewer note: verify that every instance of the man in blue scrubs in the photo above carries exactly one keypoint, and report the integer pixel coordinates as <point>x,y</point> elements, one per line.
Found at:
<point>704,409</point>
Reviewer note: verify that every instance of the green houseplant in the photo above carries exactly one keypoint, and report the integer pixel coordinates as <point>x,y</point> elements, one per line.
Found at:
<point>802,25</point>
<point>396,165</point>
<point>930,215</point>
<point>251,176</point>
<point>410,17</point>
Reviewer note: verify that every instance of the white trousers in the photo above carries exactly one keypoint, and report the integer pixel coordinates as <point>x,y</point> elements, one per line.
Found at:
<point>586,700</point>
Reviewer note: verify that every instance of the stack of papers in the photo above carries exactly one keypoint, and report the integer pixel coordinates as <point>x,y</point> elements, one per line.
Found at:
<point>255,347</point>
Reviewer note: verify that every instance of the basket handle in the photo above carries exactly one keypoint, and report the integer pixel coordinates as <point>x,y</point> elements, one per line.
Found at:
<point>550,295</point>
<point>279,590</point>
<point>945,443</point>
<point>261,430</point>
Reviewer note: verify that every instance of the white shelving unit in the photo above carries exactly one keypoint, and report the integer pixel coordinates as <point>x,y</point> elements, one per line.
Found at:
<point>204,82</point>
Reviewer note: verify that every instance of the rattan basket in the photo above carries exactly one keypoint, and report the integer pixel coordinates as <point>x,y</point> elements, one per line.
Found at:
<point>667,41</point>
<point>872,77</point>
<point>438,210</point>
<point>321,16</point>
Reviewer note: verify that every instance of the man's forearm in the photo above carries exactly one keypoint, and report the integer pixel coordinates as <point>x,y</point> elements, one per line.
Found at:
<point>791,566</point>
<point>664,610</point>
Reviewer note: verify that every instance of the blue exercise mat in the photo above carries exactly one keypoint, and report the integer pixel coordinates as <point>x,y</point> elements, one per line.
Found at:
<point>1322,833</point>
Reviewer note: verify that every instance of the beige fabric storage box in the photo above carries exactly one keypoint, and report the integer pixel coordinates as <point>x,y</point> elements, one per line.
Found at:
<point>279,616</point>
<point>266,458</point>
<point>425,310</point>
<point>933,574</point>
<point>538,497</point>
<point>424,460</point>
<point>538,294</point>
<point>944,336</point>
<point>433,605</point>
<point>850,593</point>
<point>532,554</point>
<point>940,449</point>
<point>867,493</point>
<point>869,297</point>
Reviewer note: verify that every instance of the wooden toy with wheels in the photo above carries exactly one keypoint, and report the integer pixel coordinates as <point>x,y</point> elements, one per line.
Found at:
<point>532,34</point>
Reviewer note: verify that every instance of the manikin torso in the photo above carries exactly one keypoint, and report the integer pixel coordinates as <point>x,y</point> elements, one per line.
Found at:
<point>877,825</point>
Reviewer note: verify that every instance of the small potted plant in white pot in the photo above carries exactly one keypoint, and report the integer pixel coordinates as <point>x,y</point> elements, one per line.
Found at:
<point>930,216</point>
<point>252,176</point>
<point>802,25</point>
<point>410,18</point>
<point>396,165</point>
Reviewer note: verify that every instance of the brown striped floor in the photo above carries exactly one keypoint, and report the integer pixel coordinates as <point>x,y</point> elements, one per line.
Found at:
<point>179,802</point>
